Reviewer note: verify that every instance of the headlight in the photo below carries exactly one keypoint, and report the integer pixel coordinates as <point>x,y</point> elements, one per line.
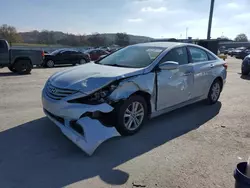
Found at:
<point>98,97</point>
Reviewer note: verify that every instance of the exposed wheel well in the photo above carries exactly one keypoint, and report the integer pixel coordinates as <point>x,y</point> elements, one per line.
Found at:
<point>147,98</point>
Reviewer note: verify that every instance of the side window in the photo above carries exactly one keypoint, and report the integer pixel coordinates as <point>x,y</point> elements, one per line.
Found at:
<point>67,53</point>
<point>74,53</point>
<point>3,47</point>
<point>178,55</point>
<point>210,56</point>
<point>197,55</point>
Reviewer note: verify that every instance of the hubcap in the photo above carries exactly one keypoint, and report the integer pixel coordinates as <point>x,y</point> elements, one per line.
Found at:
<point>133,116</point>
<point>215,91</point>
<point>50,63</point>
<point>23,67</point>
<point>82,61</point>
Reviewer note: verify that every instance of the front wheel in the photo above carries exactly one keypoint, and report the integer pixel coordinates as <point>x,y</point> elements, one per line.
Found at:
<point>131,114</point>
<point>214,92</point>
<point>12,69</point>
<point>50,63</point>
<point>81,62</point>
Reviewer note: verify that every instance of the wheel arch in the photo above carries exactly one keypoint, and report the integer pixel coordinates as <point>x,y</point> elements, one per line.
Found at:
<point>219,78</point>
<point>22,58</point>
<point>147,98</point>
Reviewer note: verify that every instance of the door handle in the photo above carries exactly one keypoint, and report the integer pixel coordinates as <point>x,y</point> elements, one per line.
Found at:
<point>211,65</point>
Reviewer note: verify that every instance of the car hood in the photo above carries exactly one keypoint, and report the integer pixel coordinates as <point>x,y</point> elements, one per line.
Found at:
<point>90,77</point>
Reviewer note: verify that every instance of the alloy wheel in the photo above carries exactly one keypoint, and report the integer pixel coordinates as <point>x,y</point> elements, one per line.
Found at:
<point>50,63</point>
<point>133,116</point>
<point>215,91</point>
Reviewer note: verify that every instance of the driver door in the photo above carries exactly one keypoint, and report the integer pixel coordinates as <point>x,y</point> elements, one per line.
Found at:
<point>4,53</point>
<point>175,86</point>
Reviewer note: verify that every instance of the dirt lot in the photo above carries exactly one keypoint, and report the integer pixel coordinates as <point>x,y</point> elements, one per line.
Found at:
<point>197,146</point>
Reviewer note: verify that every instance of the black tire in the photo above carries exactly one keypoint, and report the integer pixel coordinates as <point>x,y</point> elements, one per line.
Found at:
<point>244,72</point>
<point>120,110</point>
<point>22,66</point>
<point>50,63</point>
<point>81,62</point>
<point>12,69</point>
<point>214,94</point>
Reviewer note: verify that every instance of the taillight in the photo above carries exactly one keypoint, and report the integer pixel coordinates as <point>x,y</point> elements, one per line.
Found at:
<point>42,53</point>
<point>225,65</point>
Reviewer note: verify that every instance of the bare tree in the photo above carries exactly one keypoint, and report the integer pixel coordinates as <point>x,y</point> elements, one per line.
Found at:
<point>122,39</point>
<point>9,33</point>
<point>241,38</point>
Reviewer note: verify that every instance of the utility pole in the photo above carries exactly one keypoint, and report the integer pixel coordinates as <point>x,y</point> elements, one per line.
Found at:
<point>186,32</point>
<point>210,19</point>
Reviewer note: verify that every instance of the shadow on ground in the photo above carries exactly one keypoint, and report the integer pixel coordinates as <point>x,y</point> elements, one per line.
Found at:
<point>6,74</point>
<point>56,66</point>
<point>36,154</point>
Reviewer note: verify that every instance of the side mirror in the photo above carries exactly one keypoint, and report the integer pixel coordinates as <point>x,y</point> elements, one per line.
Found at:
<point>169,65</point>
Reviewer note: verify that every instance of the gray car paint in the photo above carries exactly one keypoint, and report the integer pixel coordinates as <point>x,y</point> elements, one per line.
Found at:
<point>169,89</point>
<point>90,77</point>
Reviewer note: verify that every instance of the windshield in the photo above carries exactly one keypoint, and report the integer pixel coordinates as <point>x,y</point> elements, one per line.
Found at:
<point>55,52</point>
<point>132,56</point>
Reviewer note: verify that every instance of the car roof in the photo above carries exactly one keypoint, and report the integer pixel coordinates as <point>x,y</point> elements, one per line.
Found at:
<point>161,44</point>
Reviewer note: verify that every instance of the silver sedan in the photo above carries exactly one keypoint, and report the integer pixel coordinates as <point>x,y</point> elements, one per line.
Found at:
<point>124,89</point>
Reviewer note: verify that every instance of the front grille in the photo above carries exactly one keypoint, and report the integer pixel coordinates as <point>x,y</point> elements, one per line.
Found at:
<point>57,93</point>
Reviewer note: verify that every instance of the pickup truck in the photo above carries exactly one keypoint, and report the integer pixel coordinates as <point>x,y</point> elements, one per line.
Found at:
<point>18,60</point>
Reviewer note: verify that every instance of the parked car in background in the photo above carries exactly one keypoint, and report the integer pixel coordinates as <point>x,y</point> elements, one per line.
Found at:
<point>131,85</point>
<point>65,56</point>
<point>227,50</point>
<point>243,53</point>
<point>19,61</point>
<point>95,54</point>
<point>230,51</point>
<point>245,66</point>
<point>237,51</point>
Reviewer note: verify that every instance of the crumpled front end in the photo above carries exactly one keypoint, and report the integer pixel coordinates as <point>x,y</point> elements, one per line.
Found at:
<point>87,124</point>
<point>74,121</point>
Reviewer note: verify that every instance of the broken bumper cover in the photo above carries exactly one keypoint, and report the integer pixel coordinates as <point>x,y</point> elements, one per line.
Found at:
<point>92,133</point>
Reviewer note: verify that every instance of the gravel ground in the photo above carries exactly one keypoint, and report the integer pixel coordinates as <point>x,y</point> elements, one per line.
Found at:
<point>193,147</point>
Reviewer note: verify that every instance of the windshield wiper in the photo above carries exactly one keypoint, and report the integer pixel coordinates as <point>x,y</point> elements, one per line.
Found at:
<point>117,65</point>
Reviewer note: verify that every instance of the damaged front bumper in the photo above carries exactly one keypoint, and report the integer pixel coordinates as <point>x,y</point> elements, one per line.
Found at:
<point>85,132</point>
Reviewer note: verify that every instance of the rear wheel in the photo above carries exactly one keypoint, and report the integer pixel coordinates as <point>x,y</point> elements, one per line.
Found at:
<point>22,67</point>
<point>131,114</point>
<point>50,63</point>
<point>214,92</point>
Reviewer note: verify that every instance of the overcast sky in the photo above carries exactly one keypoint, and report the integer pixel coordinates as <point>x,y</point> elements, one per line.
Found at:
<point>154,18</point>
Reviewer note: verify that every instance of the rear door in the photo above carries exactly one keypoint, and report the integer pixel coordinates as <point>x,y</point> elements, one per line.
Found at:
<point>66,57</point>
<point>4,53</point>
<point>203,64</point>
<point>74,57</point>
